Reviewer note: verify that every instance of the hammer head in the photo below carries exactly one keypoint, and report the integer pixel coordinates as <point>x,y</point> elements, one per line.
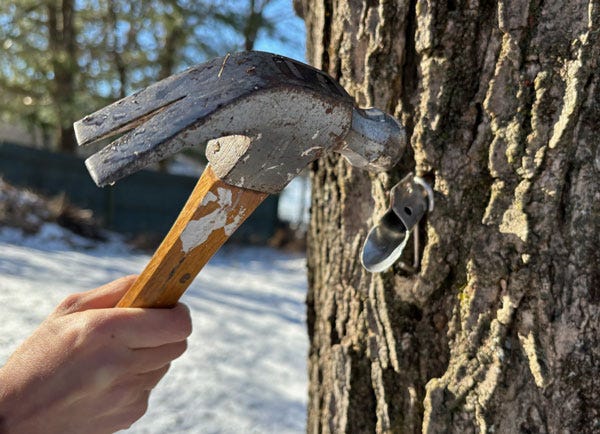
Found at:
<point>263,117</point>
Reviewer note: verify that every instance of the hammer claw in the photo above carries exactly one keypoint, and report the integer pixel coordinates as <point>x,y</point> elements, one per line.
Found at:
<point>196,84</point>
<point>131,111</point>
<point>151,139</point>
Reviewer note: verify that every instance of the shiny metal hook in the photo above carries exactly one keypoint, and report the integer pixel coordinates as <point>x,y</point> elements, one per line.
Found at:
<point>410,200</point>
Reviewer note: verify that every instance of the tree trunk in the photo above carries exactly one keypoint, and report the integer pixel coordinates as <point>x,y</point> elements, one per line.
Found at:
<point>499,329</point>
<point>62,43</point>
<point>117,48</point>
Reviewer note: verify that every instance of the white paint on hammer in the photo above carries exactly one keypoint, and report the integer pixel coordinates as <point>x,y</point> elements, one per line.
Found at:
<point>231,227</point>
<point>224,196</point>
<point>198,231</point>
<point>210,197</point>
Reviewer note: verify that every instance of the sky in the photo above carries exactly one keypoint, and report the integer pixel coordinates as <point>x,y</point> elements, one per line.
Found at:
<point>293,28</point>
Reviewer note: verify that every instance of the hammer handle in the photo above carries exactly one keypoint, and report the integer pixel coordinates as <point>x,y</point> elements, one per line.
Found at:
<point>213,211</point>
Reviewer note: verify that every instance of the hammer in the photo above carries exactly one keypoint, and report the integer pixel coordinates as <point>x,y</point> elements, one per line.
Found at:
<point>263,119</point>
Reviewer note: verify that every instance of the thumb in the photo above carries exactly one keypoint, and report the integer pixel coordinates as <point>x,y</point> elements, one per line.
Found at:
<point>105,296</point>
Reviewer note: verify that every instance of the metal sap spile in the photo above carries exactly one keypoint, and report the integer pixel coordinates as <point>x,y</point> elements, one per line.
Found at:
<point>410,199</point>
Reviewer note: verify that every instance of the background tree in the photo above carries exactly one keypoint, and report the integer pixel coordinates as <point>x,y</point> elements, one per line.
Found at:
<point>62,59</point>
<point>39,64</point>
<point>499,330</point>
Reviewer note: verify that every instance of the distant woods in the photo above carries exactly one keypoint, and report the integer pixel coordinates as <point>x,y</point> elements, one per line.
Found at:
<point>62,59</point>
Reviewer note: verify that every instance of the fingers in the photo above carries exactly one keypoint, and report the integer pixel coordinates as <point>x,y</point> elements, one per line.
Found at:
<point>150,359</point>
<point>103,297</point>
<point>142,328</point>
<point>149,380</point>
<point>156,327</point>
<point>128,388</point>
<point>127,392</point>
<point>125,413</point>
<point>125,416</point>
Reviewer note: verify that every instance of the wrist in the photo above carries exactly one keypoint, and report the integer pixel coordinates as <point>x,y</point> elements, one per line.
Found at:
<point>12,407</point>
<point>5,401</point>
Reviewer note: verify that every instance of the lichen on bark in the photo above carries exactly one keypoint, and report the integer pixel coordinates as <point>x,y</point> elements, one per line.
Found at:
<point>499,329</point>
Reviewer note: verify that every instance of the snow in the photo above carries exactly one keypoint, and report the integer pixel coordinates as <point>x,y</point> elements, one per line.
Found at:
<point>245,368</point>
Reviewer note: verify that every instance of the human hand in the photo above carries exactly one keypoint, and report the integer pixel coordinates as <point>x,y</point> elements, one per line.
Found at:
<point>89,368</point>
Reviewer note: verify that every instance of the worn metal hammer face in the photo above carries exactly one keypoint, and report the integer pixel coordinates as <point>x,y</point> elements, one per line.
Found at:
<point>263,117</point>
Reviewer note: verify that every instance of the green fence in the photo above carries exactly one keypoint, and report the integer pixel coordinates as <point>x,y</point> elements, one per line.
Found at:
<point>145,202</point>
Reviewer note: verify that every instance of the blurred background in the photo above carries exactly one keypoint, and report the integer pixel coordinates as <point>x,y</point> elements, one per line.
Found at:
<point>245,367</point>
<point>63,59</point>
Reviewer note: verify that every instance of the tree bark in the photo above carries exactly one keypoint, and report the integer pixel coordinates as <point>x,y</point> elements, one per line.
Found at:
<point>499,330</point>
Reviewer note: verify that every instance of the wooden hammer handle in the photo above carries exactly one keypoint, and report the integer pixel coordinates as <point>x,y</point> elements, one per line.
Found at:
<point>213,211</point>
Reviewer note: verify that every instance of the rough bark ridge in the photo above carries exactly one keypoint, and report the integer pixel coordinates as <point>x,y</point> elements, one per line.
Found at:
<point>499,330</point>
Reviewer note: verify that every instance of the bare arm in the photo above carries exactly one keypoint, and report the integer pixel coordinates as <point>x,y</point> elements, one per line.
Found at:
<point>88,367</point>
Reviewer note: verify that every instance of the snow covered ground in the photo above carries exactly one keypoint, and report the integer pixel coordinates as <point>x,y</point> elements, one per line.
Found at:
<point>245,368</point>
